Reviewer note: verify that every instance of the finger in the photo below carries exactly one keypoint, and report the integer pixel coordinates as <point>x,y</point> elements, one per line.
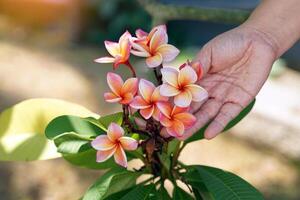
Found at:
<point>195,106</point>
<point>207,112</point>
<point>227,113</point>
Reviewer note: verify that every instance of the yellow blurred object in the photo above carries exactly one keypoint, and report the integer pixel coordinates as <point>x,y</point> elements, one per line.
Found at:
<point>22,128</point>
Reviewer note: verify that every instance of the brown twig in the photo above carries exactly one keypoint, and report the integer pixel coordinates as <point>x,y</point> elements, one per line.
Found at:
<point>158,75</point>
<point>128,64</point>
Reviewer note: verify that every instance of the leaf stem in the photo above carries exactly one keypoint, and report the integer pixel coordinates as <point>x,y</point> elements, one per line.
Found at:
<point>176,154</point>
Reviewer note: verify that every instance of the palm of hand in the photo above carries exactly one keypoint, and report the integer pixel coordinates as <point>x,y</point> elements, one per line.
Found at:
<point>237,63</point>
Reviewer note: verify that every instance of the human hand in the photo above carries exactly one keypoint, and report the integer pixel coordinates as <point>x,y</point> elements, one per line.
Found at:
<point>236,65</point>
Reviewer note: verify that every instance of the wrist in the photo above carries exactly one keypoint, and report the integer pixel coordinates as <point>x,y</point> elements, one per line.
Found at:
<point>277,22</point>
<point>262,33</point>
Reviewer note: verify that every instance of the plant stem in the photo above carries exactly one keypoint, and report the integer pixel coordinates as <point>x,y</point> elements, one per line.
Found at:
<point>126,121</point>
<point>176,154</point>
<point>128,64</point>
<point>158,75</point>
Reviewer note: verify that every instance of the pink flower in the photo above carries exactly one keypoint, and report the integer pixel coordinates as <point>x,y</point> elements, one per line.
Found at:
<point>149,97</point>
<point>180,84</point>
<point>196,66</point>
<point>175,119</point>
<point>114,143</point>
<point>154,46</point>
<point>120,51</point>
<point>122,93</point>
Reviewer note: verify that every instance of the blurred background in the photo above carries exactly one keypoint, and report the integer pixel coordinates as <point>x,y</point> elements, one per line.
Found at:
<point>47,48</point>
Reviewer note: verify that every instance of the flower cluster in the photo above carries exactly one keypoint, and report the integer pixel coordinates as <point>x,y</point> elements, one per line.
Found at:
<point>164,107</point>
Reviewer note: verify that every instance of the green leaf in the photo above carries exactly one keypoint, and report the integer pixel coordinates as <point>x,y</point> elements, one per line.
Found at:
<point>197,194</point>
<point>200,133</point>
<point>165,160</point>
<point>180,194</point>
<point>141,192</point>
<point>106,120</point>
<point>67,123</point>
<point>223,185</point>
<point>22,128</point>
<point>172,146</point>
<point>163,194</point>
<point>87,159</point>
<point>118,195</point>
<point>199,188</point>
<point>111,182</point>
<point>72,143</point>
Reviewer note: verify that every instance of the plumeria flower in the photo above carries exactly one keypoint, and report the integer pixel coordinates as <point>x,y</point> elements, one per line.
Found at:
<point>114,143</point>
<point>180,84</point>
<point>149,97</point>
<point>120,51</point>
<point>175,119</point>
<point>154,46</point>
<point>196,66</point>
<point>122,93</point>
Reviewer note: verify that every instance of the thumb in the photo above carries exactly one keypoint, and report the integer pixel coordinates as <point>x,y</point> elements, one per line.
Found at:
<point>203,59</point>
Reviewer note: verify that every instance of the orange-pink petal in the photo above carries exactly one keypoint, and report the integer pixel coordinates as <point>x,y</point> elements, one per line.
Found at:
<point>187,75</point>
<point>168,90</point>
<point>183,99</point>
<point>187,119</point>
<point>165,108</point>
<point>125,36</point>
<point>102,143</point>
<point>198,93</point>
<point>170,75</point>
<point>177,129</point>
<point>111,97</point>
<point>127,98</point>
<point>105,155</point>
<point>156,96</point>
<point>165,121</point>
<point>154,61</point>
<point>168,52</point>
<point>114,132</point>
<point>139,45</point>
<point>150,35</point>
<point>147,112</point>
<point>125,50</point>
<point>114,82</point>
<point>198,69</point>
<point>118,61</point>
<point>113,48</point>
<point>130,86</point>
<point>156,113</point>
<point>139,103</point>
<point>128,143</point>
<point>146,89</point>
<point>140,33</point>
<point>105,60</point>
<point>177,110</point>
<point>120,156</point>
<point>140,53</point>
<point>159,38</point>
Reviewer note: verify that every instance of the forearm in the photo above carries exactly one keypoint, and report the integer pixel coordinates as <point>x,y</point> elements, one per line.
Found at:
<point>279,20</point>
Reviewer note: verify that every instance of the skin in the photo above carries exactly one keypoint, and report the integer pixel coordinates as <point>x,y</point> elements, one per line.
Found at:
<point>237,63</point>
